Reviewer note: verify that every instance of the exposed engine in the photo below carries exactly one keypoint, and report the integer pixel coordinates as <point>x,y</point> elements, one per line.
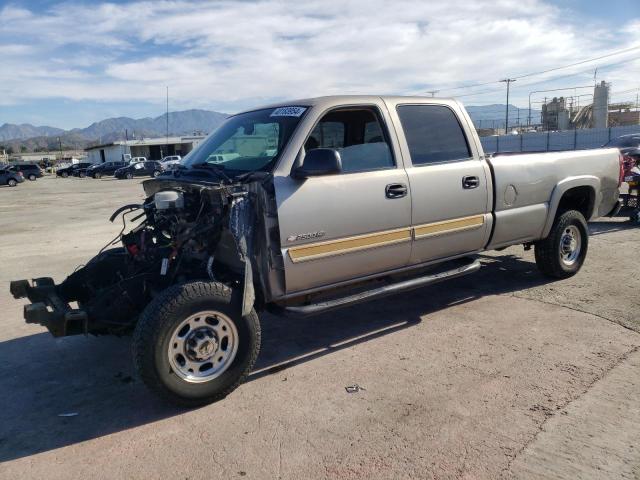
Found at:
<point>185,233</point>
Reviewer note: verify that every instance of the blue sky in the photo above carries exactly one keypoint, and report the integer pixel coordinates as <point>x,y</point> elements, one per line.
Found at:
<point>68,64</point>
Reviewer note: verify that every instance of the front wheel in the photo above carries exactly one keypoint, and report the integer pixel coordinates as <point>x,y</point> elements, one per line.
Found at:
<point>192,346</point>
<point>32,177</point>
<point>97,175</point>
<point>156,173</point>
<point>562,253</point>
<point>129,175</point>
<point>64,175</point>
<point>11,182</point>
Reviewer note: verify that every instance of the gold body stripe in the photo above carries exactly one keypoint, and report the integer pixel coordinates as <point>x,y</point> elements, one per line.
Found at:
<point>448,226</point>
<point>347,245</point>
<point>340,246</point>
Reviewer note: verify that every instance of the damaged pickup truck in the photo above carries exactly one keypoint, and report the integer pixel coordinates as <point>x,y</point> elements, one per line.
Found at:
<point>305,207</point>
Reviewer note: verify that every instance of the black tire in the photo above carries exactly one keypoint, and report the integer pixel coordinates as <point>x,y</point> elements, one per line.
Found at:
<point>32,177</point>
<point>549,252</point>
<point>64,174</point>
<point>82,175</point>
<point>155,173</point>
<point>97,175</point>
<point>11,182</point>
<point>153,335</point>
<point>129,175</point>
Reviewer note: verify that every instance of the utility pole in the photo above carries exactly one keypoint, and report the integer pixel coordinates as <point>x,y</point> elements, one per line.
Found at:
<point>506,121</point>
<point>167,117</point>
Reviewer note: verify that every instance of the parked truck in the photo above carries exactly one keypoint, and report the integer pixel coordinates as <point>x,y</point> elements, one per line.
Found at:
<point>351,198</point>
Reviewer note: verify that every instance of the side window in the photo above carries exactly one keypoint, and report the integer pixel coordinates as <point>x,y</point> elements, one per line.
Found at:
<point>433,134</point>
<point>359,136</point>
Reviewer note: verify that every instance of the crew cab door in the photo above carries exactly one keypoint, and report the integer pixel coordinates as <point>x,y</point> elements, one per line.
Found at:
<point>351,224</point>
<point>450,183</point>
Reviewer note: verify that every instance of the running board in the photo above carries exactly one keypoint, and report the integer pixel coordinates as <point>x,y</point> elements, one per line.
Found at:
<point>471,266</point>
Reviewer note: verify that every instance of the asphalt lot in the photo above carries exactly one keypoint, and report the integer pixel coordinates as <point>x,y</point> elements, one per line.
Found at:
<point>501,374</point>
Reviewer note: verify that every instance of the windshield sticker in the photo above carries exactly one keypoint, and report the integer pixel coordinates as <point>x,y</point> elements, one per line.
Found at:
<point>288,112</point>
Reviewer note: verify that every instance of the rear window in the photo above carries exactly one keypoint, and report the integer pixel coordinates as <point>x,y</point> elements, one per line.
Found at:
<point>433,134</point>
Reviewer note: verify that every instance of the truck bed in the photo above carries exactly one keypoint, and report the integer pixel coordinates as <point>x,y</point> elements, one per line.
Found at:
<point>528,188</point>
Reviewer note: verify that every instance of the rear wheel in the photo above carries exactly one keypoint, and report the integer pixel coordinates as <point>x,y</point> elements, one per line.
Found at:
<point>97,175</point>
<point>64,174</point>
<point>82,174</point>
<point>129,175</point>
<point>562,253</point>
<point>11,182</point>
<point>32,177</point>
<point>192,346</point>
<point>156,173</point>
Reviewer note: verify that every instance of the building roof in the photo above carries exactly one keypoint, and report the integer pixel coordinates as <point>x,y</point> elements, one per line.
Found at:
<point>148,141</point>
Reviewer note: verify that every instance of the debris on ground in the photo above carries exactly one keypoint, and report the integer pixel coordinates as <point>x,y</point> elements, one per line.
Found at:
<point>355,388</point>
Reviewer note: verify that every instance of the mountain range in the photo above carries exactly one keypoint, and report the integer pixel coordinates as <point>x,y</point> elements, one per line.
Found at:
<point>28,138</point>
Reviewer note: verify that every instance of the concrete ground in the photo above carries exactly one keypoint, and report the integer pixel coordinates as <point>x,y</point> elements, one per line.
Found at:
<point>502,374</point>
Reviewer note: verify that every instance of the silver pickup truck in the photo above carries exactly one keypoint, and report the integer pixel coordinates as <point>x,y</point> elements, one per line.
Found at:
<point>303,207</point>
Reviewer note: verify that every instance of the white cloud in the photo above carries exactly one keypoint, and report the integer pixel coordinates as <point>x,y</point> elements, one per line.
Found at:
<point>234,54</point>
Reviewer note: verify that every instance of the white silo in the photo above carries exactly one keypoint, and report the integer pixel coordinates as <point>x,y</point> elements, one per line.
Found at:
<point>601,105</point>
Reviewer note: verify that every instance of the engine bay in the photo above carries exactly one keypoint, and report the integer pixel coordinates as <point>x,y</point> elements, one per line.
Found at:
<point>183,231</point>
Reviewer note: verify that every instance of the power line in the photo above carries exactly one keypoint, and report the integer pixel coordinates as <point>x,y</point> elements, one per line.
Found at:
<point>619,52</point>
<point>581,62</point>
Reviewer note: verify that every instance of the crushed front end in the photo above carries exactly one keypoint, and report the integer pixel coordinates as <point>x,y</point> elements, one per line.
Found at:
<point>187,229</point>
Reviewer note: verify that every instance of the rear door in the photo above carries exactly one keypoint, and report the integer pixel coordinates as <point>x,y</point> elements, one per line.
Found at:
<point>450,184</point>
<point>344,226</point>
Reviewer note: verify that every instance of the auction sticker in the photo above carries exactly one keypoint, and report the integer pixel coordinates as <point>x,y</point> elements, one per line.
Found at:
<point>288,112</point>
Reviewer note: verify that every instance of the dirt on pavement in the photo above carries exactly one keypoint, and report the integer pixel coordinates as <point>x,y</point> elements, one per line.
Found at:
<point>502,374</point>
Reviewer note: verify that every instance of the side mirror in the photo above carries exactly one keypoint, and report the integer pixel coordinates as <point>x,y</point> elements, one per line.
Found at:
<point>318,162</point>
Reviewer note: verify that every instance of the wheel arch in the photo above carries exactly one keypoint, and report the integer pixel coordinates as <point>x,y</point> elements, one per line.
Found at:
<point>575,193</point>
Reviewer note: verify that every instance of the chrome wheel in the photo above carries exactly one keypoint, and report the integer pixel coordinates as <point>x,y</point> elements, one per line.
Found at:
<point>570,245</point>
<point>203,346</point>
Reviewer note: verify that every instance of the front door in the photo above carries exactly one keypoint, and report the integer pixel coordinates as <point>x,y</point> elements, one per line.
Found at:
<point>349,225</point>
<point>450,184</point>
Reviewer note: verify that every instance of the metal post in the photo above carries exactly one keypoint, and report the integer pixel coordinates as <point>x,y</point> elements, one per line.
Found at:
<point>575,138</point>
<point>521,141</point>
<point>547,140</point>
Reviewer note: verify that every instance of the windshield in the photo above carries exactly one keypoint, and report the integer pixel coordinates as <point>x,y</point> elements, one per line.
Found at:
<point>248,142</point>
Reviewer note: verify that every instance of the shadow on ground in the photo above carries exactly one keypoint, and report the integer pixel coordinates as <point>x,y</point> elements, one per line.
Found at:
<point>42,378</point>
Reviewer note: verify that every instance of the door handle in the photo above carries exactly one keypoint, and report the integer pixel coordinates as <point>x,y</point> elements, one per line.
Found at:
<point>470,181</point>
<point>395,190</point>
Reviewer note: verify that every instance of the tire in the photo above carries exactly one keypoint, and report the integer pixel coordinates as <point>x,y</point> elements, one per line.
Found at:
<point>155,173</point>
<point>64,174</point>
<point>158,358</point>
<point>11,182</point>
<point>32,177</point>
<point>129,175</point>
<point>82,174</point>
<point>97,175</point>
<point>562,253</point>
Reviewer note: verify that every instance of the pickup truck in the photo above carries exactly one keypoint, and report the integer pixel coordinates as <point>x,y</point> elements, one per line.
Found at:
<point>308,206</point>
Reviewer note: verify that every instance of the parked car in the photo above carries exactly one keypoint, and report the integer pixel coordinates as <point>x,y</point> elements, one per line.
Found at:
<point>29,170</point>
<point>102,169</point>
<point>140,169</point>
<point>361,197</point>
<point>67,171</point>
<point>171,160</point>
<point>10,177</point>
<point>137,160</point>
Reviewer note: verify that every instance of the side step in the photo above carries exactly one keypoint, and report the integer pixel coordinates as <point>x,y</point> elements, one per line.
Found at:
<point>470,266</point>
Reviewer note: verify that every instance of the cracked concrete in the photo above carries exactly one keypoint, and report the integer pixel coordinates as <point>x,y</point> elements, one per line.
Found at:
<point>499,374</point>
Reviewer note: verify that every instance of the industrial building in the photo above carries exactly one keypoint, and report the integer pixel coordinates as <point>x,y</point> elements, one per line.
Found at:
<point>565,113</point>
<point>150,148</point>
